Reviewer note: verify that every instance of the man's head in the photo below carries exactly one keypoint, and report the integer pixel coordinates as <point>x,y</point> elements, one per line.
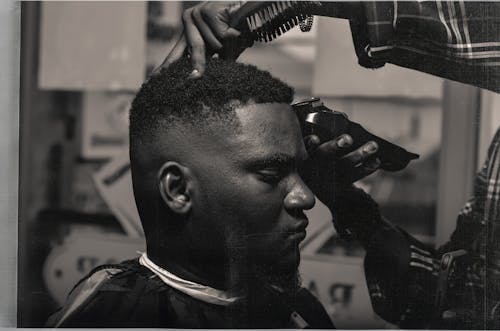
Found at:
<point>214,167</point>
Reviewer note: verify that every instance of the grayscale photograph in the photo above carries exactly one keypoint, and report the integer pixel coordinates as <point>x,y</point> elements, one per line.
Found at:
<point>257,165</point>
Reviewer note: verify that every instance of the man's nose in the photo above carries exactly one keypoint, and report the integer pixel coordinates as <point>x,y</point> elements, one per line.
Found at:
<point>299,195</point>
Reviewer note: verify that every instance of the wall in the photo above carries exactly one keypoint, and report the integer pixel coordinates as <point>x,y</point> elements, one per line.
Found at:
<point>9,98</point>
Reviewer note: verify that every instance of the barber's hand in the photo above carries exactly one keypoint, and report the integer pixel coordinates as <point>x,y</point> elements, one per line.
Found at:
<point>330,171</point>
<point>206,31</point>
<point>335,163</point>
<point>333,166</point>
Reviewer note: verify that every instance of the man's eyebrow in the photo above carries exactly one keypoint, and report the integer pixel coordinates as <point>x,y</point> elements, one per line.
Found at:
<point>276,159</point>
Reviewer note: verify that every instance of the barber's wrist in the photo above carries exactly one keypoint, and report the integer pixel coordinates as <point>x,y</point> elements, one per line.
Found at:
<point>356,215</point>
<point>347,10</point>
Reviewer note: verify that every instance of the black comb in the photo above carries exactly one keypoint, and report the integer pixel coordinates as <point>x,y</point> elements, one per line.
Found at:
<point>267,20</point>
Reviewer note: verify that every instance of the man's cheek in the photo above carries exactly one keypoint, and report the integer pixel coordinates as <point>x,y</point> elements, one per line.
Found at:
<point>263,217</point>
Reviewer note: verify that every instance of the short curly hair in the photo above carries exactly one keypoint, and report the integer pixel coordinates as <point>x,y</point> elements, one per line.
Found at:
<point>170,98</point>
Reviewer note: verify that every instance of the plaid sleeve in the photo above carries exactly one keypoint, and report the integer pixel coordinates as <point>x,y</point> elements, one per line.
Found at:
<point>456,40</point>
<point>402,289</point>
<point>478,223</point>
<point>401,275</point>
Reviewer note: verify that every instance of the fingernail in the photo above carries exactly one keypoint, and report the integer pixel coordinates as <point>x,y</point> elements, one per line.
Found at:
<point>371,147</point>
<point>194,74</point>
<point>314,140</point>
<point>374,164</point>
<point>449,314</point>
<point>345,141</point>
<point>310,142</point>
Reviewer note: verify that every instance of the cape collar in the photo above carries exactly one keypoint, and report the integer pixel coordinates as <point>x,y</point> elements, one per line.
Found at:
<point>198,291</point>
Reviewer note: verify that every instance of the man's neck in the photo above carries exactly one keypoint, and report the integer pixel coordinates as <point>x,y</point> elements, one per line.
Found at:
<point>218,276</point>
<point>235,278</point>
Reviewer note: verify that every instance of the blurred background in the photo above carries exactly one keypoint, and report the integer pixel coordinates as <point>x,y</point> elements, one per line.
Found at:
<point>81,64</point>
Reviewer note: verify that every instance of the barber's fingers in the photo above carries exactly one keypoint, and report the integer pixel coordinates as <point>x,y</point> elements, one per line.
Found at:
<point>371,166</point>
<point>339,146</point>
<point>349,167</point>
<point>217,17</point>
<point>329,149</point>
<point>205,25</point>
<point>359,163</point>
<point>360,155</point>
<point>175,54</point>
<point>311,143</point>
<point>195,42</point>
<point>216,14</point>
<point>363,170</point>
<point>205,30</point>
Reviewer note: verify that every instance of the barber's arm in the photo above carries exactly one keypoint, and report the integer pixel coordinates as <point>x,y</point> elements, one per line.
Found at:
<point>464,294</point>
<point>410,284</point>
<point>400,271</point>
<point>454,40</point>
<point>206,28</point>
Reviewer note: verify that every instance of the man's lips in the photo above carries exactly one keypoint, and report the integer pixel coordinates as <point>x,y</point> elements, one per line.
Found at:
<point>298,236</point>
<point>301,225</point>
<point>298,232</point>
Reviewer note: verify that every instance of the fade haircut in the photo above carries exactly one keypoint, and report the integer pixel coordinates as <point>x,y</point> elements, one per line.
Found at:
<point>169,99</point>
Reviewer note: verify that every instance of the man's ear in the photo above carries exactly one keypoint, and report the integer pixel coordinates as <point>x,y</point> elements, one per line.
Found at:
<point>175,187</point>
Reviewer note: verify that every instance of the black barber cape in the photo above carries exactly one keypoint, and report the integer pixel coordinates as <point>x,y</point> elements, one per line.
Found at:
<point>130,295</point>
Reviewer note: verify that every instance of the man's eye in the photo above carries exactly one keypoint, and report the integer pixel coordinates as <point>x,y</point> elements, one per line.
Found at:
<point>270,175</point>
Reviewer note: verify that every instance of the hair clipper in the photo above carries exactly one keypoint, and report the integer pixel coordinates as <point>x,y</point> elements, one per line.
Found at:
<point>327,124</point>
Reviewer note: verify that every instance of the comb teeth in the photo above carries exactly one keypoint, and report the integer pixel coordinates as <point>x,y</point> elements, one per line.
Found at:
<point>277,17</point>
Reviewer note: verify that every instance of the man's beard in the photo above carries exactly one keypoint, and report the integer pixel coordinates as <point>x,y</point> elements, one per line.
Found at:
<point>269,296</point>
<point>286,282</point>
<point>247,273</point>
<point>250,277</point>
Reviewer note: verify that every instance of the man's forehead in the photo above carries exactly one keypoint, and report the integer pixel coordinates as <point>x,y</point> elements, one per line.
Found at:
<point>270,128</point>
<point>266,118</point>
<point>265,132</point>
<point>255,111</point>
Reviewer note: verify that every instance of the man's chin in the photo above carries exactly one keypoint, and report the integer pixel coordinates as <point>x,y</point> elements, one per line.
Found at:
<point>289,261</point>
<point>283,276</point>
